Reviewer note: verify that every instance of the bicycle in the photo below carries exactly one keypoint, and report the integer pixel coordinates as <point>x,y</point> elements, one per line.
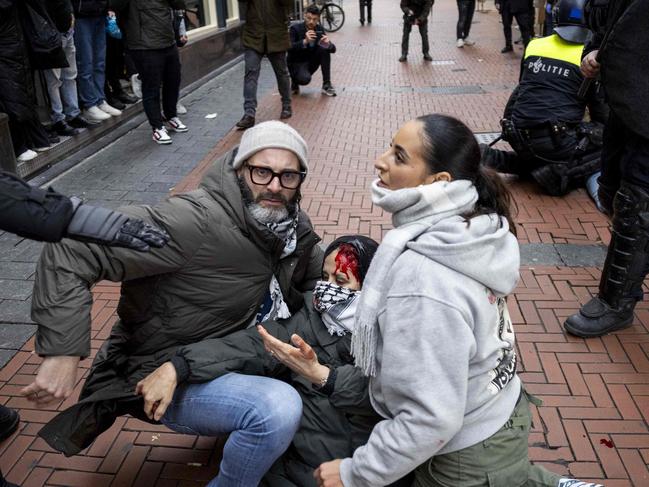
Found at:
<point>332,15</point>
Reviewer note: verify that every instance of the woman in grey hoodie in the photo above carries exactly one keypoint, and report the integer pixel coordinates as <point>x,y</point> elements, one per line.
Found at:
<point>432,329</point>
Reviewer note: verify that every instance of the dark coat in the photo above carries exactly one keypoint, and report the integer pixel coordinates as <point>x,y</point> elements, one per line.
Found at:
<point>421,8</point>
<point>16,81</point>
<point>266,27</point>
<point>60,12</point>
<point>89,8</point>
<point>298,52</point>
<point>331,426</point>
<point>176,295</point>
<point>32,212</point>
<point>147,24</point>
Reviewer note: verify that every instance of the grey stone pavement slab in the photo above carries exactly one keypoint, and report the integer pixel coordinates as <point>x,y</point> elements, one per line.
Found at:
<point>131,170</point>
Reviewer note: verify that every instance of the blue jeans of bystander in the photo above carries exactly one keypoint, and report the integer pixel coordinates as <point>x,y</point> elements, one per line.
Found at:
<point>261,415</point>
<point>62,83</point>
<point>90,41</point>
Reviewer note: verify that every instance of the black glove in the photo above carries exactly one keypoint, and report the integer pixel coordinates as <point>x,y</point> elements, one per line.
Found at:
<point>108,227</point>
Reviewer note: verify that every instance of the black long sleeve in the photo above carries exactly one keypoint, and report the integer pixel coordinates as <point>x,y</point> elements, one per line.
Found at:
<point>33,212</point>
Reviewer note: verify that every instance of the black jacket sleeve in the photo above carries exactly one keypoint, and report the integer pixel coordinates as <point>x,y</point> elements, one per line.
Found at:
<point>297,38</point>
<point>32,212</point>
<point>242,352</point>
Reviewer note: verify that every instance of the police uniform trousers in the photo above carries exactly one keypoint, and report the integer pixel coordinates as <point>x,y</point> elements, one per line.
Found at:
<point>552,160</point>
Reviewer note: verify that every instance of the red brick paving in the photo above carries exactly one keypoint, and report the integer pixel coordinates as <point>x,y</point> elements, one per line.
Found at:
<point>593,423</point>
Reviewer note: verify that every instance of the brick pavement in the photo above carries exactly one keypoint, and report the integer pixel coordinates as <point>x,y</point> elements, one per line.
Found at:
<point>593,423</point>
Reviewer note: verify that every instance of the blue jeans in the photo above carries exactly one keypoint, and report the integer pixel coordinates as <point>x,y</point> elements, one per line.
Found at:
<point>90,41</point>
<point>62,83</point>
<point>261,415</point>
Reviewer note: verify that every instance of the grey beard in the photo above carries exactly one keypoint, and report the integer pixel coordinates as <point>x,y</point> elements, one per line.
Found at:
<point>261,213</point>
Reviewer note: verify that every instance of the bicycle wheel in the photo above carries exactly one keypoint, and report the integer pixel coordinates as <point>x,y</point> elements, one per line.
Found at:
<point>332,17</point>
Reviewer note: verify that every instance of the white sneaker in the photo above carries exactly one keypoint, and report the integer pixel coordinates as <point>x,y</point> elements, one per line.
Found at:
<point>136,86</point>
<point>469,42</point>
<point>105,107</point>
<point>94,114</point>
<point>460,43</point>
<point>28,155</point>
<point>176,125</point>
<point>180,109</point>
<point>161,136</point>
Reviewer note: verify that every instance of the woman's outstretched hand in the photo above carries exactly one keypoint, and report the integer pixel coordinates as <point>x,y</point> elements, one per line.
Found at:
<point>328,474</point>
<point>299,357</point>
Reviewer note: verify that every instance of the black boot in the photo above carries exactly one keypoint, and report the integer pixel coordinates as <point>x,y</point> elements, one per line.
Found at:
<point>4,483</point>
<point>624,269</point>
<point>9,420</point>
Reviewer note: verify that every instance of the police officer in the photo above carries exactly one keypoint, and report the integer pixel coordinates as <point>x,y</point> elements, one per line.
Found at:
<point>543,117</point>
<point>415,12</point>
<point>49,216</point>
<point>624,183</point>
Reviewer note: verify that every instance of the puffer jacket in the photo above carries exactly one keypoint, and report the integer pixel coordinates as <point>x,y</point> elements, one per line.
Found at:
<point>331,426</point>
<point>209,280</point>
<point>266,27</point>
<point>147,24</point>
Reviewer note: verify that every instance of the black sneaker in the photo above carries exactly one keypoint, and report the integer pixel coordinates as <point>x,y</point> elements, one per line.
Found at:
<point>246,122</point>
<point>286,113</point>
<point>508,48</point>
<point>427,57</point>
<point>64,129</point>
<point>126,98</point>
<point>116,103</point>
<point>328,89</point>
<point>80,123</point>
<point>9,420</point>
<point>403,58</point>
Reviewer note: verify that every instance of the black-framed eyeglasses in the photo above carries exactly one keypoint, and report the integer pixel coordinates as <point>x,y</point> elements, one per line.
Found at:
<point>287,179</point>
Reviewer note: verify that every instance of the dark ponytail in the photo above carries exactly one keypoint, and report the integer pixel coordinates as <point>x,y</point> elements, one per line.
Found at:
<point>450,146</point>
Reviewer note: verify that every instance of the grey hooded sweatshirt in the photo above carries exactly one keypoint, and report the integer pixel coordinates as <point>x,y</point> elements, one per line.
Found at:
<point>445,375</point>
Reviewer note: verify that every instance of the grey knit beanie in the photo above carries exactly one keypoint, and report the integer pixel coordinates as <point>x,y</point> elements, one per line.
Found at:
<point>271,135</point>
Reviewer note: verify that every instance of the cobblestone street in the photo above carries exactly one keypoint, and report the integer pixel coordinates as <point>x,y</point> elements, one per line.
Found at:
<point>593,424</point>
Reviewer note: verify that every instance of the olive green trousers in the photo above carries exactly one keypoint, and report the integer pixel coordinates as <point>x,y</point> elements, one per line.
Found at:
<point>499,461</point>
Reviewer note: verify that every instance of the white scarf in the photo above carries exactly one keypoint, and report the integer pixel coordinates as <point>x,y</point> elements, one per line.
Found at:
<point>414,212</point>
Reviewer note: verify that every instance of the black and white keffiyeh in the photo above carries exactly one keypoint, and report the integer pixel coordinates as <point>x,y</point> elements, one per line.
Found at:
<point>287,231</point>
<point>337,306</point>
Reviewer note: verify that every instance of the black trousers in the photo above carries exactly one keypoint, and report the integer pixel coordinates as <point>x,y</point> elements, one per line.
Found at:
<point>301,72</point>
<point>362,5</point>
<point>423,31</point>
<point>524,19</point>
<point>114,66</point>
<point>465,8</point>
<point>158,67</point>
<point>625,156</point>
<point>554,162</point>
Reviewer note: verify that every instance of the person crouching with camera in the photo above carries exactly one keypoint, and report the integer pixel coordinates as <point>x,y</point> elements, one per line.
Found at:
<point>415,12</point>
<point>310,49</point>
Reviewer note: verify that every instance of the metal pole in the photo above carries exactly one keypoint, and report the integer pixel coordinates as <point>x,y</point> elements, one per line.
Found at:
<point>221,13</point>
<point>7,157</point>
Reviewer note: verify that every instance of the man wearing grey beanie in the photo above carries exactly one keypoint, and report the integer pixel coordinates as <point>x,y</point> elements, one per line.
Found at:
<point>240,252</point>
